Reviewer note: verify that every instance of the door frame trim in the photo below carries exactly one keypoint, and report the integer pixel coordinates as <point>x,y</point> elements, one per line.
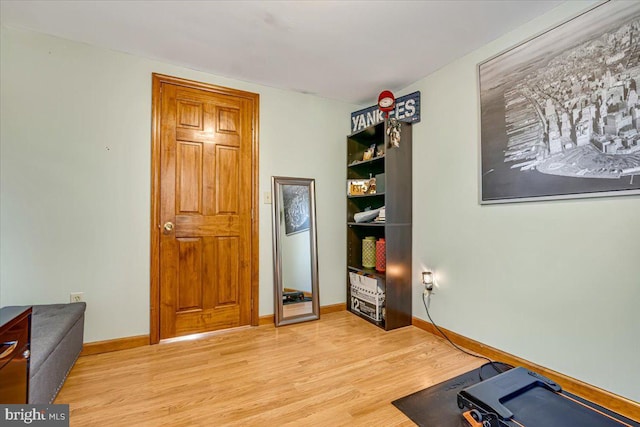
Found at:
<point>254,99</point>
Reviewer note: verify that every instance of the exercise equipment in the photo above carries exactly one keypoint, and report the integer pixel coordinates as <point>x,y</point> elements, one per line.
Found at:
<point>523,398</point>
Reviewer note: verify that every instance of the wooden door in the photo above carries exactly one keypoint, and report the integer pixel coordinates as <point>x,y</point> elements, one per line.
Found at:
<point>203,215</point>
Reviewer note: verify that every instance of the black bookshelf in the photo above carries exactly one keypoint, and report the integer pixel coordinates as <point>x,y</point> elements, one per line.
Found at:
<point>395,164</point>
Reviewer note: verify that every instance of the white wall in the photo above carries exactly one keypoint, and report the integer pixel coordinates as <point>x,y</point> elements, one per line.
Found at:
<point>296,261</point>
<point>75,165</point>
<point>557,282</point>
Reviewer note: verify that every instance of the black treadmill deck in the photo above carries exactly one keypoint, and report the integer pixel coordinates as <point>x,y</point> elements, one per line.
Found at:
<point>490,394</point>
<point>520,397</point>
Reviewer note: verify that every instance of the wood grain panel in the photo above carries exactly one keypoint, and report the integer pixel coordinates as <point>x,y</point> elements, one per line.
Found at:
<point>269,319</point>
<point>211,320</point>
<point>228,120</point>
<point>190,135</point>
<point>117,344</point>
<point>188,225</point>
<point>154,233</point>
<point>189,114</point>
<point>189,274</point>
<point>168,276</point>
<point>209,271</point>
<point>229,126</point>
<point>209,180</point>
<point>250,116</point>
<point>228,264</point>
<point>227,185</point>
<point>333,308</point>
<point>189,177</point>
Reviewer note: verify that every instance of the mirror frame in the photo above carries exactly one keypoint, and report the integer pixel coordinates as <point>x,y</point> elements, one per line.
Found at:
<point>277,182</point>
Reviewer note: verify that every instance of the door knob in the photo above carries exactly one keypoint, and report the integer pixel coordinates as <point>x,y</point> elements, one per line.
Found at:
<point>168,226</point>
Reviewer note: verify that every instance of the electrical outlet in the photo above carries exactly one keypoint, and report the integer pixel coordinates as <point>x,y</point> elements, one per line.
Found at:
<point>76,297</point>
<point>267,198</point>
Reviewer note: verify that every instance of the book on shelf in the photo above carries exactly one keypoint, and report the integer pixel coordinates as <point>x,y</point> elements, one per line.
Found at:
<point>370,215</point>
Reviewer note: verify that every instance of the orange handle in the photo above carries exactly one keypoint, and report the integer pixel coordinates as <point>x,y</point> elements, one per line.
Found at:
<point>472,421</point>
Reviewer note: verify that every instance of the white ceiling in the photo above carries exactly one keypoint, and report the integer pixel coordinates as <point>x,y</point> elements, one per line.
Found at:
<point>345,50</point>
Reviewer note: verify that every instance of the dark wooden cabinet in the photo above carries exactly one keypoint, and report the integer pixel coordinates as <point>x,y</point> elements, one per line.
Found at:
<point>15,339</point>
<point>393,167</point>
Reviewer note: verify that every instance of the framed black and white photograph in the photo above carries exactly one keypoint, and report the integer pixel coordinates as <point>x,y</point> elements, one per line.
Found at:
<point>295,199</point>
<point>560,113</point>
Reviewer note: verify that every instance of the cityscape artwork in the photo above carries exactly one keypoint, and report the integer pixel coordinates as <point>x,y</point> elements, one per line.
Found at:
<point>560,113</point>
<point>295,199</point>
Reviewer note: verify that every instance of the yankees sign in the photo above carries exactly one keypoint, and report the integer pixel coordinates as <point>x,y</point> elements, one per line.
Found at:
<point>407,109</point>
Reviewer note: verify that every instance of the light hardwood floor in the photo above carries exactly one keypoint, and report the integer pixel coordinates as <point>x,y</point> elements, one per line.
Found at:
<point>338,371</point>
<point>297,309</point>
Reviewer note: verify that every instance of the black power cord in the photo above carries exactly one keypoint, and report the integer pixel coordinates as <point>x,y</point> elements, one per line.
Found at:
<point>506,366</point>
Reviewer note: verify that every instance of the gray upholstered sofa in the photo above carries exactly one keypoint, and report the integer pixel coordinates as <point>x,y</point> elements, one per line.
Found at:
<point>56,341</point>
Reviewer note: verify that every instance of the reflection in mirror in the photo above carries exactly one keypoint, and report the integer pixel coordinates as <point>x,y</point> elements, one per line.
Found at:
<point>295,261</point>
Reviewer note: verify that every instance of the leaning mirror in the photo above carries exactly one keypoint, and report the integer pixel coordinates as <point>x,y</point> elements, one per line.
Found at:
<point>295,261</point>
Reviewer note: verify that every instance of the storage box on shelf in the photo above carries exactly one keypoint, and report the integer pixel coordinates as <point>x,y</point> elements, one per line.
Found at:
<point>391,168</point>
<point>367,297</point>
